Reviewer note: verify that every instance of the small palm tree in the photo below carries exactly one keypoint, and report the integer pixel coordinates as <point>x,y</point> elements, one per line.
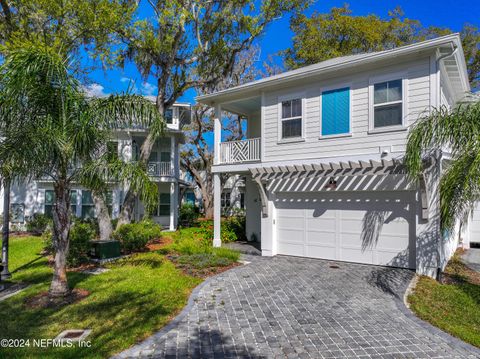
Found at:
<point>457,132</point>
<point>48,127</point>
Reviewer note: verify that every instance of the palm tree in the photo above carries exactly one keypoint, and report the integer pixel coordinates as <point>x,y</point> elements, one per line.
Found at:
<point>457,132</point>
<point>48,127</point>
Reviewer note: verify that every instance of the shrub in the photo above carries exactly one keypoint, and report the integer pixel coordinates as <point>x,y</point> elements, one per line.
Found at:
<point>92,222</point>
<point>38,223</point>
<point>114,223</point>
<point>135,236</point>
<point>47,240</point>
<point>80,236</point>
<point>233,229</point>
<point>188,214</point>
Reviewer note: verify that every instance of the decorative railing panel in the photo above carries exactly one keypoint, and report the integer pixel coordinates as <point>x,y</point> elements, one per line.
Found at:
<point>240,151</point>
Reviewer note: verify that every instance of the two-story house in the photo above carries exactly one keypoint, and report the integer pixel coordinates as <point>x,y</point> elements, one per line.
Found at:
<point>163,167</point>
<point>323,156</point>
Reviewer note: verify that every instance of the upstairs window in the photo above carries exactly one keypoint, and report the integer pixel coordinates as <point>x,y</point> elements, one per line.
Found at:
<point>387,104</point>
<point>165,156</point>
<point>291,118</point>
<point>336,112</point>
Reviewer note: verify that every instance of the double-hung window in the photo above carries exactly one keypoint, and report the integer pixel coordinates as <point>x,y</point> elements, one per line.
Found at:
<point>225,199</point>
<point>388,104</point>
<point>291,119</point>
<point>336,112</point>
<point>50,200</point>
<point>88,206</point>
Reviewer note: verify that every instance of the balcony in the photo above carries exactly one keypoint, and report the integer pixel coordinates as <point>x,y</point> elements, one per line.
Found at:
<point>240,151</point>
<point>159,169</point>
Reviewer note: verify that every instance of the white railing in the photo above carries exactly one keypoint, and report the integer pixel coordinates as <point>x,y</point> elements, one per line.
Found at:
<point>158,169</point>
<point>240,151</point>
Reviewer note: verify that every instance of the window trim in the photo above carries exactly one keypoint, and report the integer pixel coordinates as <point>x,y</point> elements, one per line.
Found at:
<point>330,88</point>
<point>293,96</point>
<point>403,76</point>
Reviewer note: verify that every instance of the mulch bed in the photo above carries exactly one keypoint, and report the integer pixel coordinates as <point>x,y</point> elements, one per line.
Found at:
<point>159,243</point>
<point>458,272</point>
<point>42,300</point>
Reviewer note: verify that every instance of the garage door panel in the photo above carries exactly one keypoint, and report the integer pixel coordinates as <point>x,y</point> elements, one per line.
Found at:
<point>321,239</point>
<point>356,255</point>
<point>289,223</point>
<point>321,224</point>
<point>291,235</point>
<point>364,227</point>
<point>318,251</point>
<point>291,248</point>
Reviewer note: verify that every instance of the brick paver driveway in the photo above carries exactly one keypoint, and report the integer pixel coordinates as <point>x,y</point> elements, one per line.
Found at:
<point>301,308</point>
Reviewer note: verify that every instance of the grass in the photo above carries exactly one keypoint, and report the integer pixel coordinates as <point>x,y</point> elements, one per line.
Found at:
<point>454,304</point>
<point>135,298</point>
<point>196,256</point>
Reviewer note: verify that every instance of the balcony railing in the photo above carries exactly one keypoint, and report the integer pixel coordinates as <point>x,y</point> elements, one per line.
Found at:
<point>159,169</point>
<point>240,151</point>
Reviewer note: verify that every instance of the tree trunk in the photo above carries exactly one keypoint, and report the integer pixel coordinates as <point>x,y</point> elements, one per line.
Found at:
<point>104,220</point>
<point>130,196</point>
<point>61,229</point>
<point>126,213</point>
<point>5,274</point>
<point>207,199</point>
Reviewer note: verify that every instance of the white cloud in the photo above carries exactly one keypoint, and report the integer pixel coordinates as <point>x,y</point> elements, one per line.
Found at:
<point>126,79</point>
<point>148,89</point>
<point>95,90</point>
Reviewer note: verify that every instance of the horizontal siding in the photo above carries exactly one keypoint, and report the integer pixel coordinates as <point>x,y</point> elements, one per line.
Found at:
<point>361,142</point>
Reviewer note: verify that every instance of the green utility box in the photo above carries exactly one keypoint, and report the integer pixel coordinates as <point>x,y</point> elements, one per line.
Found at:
<point>105,249</point>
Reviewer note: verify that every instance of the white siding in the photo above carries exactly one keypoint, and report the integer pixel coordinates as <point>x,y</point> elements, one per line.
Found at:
<point>361,142</point>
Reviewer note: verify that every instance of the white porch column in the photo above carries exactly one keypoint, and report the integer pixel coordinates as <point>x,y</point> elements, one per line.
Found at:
<point>217,241</point>
<point>172,155</point>
<point>172,206</point>
<point>217,134</point>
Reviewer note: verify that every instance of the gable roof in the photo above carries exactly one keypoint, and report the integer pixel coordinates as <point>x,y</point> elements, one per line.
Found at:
<point>451,42</point>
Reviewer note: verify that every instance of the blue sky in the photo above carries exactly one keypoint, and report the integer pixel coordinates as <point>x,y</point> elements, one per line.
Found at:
<point>444,13</point>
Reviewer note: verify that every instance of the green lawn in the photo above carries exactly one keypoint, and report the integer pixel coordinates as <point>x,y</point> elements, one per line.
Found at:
<point>452,307</point>
<point>136,297</point>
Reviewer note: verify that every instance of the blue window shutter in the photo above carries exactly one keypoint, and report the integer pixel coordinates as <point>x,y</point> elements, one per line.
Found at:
<point>336,112</point>
<point>342,111</point>
<point>328,113</point>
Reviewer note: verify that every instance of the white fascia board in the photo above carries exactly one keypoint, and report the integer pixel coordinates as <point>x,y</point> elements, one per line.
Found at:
<point>250,88</point>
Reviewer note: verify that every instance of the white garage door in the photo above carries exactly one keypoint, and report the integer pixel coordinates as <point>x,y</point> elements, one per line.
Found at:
<point>363,227</point>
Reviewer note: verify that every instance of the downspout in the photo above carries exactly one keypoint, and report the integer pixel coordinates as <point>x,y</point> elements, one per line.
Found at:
<point>440,243</point>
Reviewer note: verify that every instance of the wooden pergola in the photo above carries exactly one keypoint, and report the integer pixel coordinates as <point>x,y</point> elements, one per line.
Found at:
<point>262,175</point>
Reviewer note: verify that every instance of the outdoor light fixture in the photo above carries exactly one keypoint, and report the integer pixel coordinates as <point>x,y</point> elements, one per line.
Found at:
<point>332,183</point>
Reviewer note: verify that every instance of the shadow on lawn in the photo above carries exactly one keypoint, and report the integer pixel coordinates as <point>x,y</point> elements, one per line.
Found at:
<point>124,308</point>
<point>30,265</point>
